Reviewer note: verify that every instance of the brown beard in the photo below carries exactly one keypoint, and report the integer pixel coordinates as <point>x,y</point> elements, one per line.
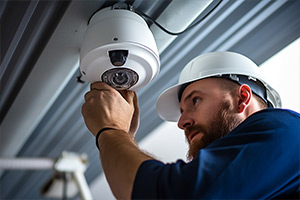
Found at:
<point>223,123</point>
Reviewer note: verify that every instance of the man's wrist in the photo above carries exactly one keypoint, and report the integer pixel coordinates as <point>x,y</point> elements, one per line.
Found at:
<point>99,133</point>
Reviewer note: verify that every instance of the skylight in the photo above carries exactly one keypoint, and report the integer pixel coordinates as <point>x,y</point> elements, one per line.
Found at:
<point>282,72</point>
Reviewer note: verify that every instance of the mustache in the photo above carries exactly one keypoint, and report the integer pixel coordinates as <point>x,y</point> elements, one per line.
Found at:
<point>194,128</point>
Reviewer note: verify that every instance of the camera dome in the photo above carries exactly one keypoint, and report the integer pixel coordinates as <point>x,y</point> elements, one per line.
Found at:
<point>119,39</point>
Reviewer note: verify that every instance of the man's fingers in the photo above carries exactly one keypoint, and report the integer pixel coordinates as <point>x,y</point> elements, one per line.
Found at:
<point>128,95</point>
<point>89,95</point>
<point>136,106</point>
<point>135,117</point>
<point>100,86</point>
<point>135,100</point>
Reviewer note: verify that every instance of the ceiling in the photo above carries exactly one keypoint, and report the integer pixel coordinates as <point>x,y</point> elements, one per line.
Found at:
<point>40,44</point>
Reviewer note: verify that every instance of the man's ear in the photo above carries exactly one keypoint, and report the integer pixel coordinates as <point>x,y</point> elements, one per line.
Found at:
<point>245,96</point>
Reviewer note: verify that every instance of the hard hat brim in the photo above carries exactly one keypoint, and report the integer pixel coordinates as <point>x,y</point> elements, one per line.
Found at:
<point>167,105</point>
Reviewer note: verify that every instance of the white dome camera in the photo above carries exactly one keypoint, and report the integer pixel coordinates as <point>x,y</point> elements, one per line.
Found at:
<point>119,49</point>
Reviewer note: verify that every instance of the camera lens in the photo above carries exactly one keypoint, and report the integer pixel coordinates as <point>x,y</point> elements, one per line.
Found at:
<point>120,78</point>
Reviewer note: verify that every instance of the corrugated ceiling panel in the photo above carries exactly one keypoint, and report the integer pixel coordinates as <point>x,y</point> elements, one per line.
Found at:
<point>28,27</point>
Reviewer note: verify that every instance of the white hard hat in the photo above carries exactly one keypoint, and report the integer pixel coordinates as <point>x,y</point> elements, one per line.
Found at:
<point>215,64</point>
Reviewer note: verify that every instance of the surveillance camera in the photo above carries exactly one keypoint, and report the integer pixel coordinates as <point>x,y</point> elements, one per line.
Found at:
<point>118,48</point>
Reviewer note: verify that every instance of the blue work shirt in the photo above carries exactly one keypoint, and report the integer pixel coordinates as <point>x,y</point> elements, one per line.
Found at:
<point>259,159</point>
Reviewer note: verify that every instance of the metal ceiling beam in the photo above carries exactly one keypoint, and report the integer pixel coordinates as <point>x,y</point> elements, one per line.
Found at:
<point>53,68</point>
<point>22,43</point>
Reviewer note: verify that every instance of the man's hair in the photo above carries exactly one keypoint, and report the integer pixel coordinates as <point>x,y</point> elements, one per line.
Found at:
<point>229,85</point>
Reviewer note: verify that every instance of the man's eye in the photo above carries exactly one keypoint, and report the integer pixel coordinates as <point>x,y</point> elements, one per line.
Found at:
<point>196,100</point>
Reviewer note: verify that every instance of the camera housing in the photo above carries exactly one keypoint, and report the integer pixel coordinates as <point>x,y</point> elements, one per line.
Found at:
<point>118,48</point>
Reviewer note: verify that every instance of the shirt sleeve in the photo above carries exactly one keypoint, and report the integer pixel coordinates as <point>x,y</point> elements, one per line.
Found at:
<point>155,180</point>
<point>255,161</point>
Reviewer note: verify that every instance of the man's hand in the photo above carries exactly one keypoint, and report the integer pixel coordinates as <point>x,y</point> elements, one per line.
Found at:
<point>106,107</point>
<point>120,157</point>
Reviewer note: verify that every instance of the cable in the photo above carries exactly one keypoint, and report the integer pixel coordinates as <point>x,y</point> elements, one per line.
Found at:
<point>178,33</point>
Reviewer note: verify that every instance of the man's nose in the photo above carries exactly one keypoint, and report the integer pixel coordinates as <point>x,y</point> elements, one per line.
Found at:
<point>185,121</point>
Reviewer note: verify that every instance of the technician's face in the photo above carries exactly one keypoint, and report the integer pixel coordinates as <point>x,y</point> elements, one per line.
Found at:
<point>207,114</point>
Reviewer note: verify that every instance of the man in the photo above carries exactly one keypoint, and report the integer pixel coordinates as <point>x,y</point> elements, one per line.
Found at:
<point>239,148</point>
